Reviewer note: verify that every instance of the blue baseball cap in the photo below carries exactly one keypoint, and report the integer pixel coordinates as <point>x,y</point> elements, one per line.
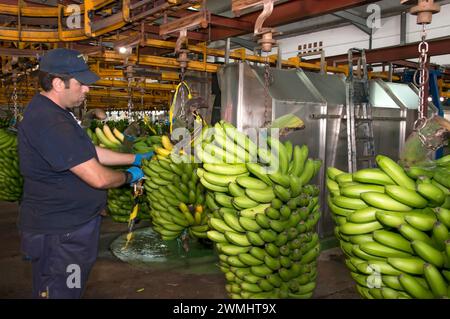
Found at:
<point>68,62</point>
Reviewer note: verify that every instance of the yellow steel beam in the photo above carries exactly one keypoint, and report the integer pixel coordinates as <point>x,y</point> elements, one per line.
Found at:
<point>51,35</point>
<point>147,86</point>
<point>444,85</point>
<point>45,12</point>
<point>95,92</point>
<point>158,61</point>
<point>240,54</point>
<point>383,75</point>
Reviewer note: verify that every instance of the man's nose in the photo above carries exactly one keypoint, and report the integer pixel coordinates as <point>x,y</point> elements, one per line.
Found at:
<point>85,88</point>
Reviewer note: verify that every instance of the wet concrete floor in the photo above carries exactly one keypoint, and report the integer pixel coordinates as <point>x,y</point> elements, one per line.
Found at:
<point>197,278</point>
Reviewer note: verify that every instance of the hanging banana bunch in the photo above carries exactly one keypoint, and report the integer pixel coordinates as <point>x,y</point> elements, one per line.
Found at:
<point>393,225</point>
<point>263,223</point>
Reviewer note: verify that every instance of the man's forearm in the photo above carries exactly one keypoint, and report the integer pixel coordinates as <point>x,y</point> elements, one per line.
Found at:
<point>111,158</point>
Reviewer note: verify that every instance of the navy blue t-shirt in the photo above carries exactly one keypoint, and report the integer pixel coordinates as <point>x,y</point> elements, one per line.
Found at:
<point>51,142</point>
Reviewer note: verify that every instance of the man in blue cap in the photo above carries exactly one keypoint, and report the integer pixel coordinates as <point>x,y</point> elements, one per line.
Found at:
<point>65,179</point>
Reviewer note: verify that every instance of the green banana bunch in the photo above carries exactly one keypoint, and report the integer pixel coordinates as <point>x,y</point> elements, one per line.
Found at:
<point>393,225</point>
<point>179,205</point>
<point>120,204</point>
<point>11,182</point>
<point>263,215</point>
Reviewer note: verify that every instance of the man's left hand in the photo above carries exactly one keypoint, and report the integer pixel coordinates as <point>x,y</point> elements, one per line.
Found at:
<point>139,157</point>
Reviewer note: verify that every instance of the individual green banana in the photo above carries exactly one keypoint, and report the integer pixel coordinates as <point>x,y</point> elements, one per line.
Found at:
<point>233,221</point>
<point>412,234</point>
<point>216,236</point>
<point>299,157</point>
<point>279,150</point>
<point>235,190</point>
<point>252,212</point>
<point>435,281</point>
<point>250,182</point>
<point>249,224</point>
<point>278,225</point>
<point>282,193</point>
<point>232,250</point>
<point>355,191</point>
<point>224,200</point>
<point>392,282</point>
<point>395,172</point>
<point>359,229</point>
<point>226,169</point>
<point>260,172</point>
<point>420,221</point>
<point>244,202</point>
<point>343,179</point>
<point>268,235</point>
<point>390,219</point>
<point>392,240</point>
<point>220,225</point>
<point>308,172</point>
<point>406,196</point>
<point>250,260</point>
<point>333,187</point>
<point>382,267</point>
<point>442,176</point>
<point>281,179</point>
<point>411,265</point>
<point>255,239</point>
<point>336,209</point>
<point>234,261</point>
<point>443,215</point>
<point>260,195</point>
<point>383,201</point>
<point>240,138</point>
<point>258,252</point>
<point>333,172</point>
<point>440,234</point>
<point>220,180</point>
<point>428,253</point>
<point>414,288</point>
<point>261,270</point>
<point>349,203</point>
<point>432,193</point>
<point>372,176</point>
<point>262,220</point>
<point>272,263</point>
<point>415,171</point>
<point>213,187</point>
<point>358,239</point>
<point>381,250</point>
<point>363,215</point>
<point>237,239</point>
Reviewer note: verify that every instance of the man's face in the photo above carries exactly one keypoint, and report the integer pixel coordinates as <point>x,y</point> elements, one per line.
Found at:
<point>75,94</point>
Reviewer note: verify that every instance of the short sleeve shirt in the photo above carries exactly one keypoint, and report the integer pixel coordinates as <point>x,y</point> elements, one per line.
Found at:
<point>50,143</point>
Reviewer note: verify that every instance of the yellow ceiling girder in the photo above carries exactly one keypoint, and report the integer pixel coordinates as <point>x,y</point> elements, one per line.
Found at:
<point>240,54</point>
<point>146,86</point>
<point>61,35</point>
<point>163,62</point>
<point>27,10</point>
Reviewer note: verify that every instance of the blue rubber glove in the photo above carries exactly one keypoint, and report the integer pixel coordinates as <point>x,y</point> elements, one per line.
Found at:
<point>129,137</point>
<point>138,158</point>
<point>136,174</point>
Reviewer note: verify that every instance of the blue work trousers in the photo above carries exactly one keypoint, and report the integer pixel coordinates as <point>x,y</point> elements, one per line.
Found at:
<point>61,263</point>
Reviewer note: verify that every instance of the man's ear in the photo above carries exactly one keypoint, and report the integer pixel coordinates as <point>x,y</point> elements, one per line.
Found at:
<point>58,84</point>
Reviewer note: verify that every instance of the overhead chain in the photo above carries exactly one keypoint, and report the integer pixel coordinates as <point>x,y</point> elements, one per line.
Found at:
<point>142,93</point>
<point>268,80</point>
<point>130,96</point>
<point>423,75</point>
<point>15,97</point>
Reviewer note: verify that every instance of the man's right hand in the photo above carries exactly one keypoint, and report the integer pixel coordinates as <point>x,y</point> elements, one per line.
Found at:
<point>136,174</point>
